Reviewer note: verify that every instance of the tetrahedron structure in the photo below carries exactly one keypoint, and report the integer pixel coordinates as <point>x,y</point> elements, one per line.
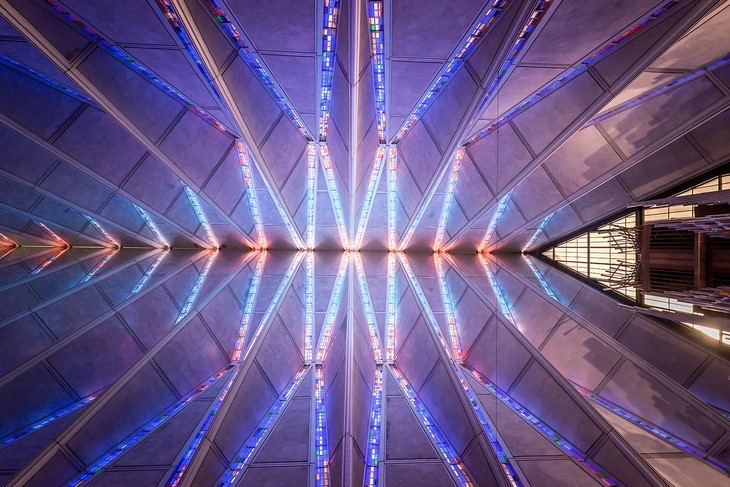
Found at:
<point>311,243</point>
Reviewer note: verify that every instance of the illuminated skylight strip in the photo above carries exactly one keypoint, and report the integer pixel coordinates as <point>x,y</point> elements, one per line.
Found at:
<point>283,285</point>
<point>392,195</point>
<point>390,311</point>
<point>48,261</point>
<point>5,241</point>
<point>491,432</point>
<point>334,304</point>
<point>329,44</point>
<point>47,420</point>
<point>538,231</point>
<point>46,79</point>
<point>197,286</point>
<point>444,448</point>
<point>248,307</point>
<point>311,194</point>
<point>152,226</point>
<point>543,283</point>
<point>245,455</point>
<point>367,205</point>
<point>646,426</point>
<point>309,308</point>
<point>661,89</point>
<point>144,431</point>
<point>198,209</point>
<point>329,177</point>
<point>569,74</point>
<point>448,307</point>
<point>448,198</point>
<point>533,420</point>
<point>102,230</point>
<point>184,463</point>
<point>321,451</point>
<point>377,55</point>
<point>447,73</point>
<point>99,265</point>
<point>431,319</point>
<point>257,65</point>
<point>148,273</point>
<point>372,456</point>
<point>53,234</point>
<point>367,305</point>
<point>132,63</point>
<point>501,302</point>
<point>174,19</point>
<point>501,207</point>
<point>535,16</point>
<point>253,200</point>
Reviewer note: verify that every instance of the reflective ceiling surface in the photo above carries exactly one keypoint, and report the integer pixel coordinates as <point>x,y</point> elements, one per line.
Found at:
<point>286,242</point>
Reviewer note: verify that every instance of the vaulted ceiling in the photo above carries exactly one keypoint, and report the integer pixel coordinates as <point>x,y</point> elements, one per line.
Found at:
<point>229,130</point>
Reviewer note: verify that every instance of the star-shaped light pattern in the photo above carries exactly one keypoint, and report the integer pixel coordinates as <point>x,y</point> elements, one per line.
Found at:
<point>301,243</point>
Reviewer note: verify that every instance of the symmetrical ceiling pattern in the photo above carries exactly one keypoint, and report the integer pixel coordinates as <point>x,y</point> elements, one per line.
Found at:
<point>280,243</point>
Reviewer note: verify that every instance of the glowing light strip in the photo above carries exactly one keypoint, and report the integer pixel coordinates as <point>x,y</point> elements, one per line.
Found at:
<point>245,455</point>
<point>321,452</point>
<point>390,311</point>
<point>334,304</point>
<point>447,73</point>
<point>152,226</point>
<point>144,431</point>
<point>141,70</point>
<point>448,197</point>
<point>257,65</point>
<point>329,44</point>
<point>47,420</point>
<point>7,252</point>
<point>248,307</point>
<point>448,308</point>
<point>446,451</point>
<point>48,261</point>
<point>253,200</point>
<point>309,309</point>
<point>569,74</point>
<point>196,287</point>
<point>377,55</point>
<point>53,234</point>
<point>501,207</point>
<point>174,20</point>
<point>538,231</point>
<point>184,462</point>
<point>367,205</point>
<point>198,209</point>
<point>491,432</point>
<point>275,300</point>
<point>537,14</point>
<point>501,302</point>
<point>311,194</point>
<point>5,241</point>
<point>329,177</point>
<point>367,305</point>
<point>545,286</point>
<point>148,273</point>
<point>392,195</point>
<point>424,303</point>
<point>46,79</point>
<point>99,265</point>
<point>102,230</point>
<point>372,457</point>
<point>533,420</point>
<point>646,426</point>
<point>661,89</point>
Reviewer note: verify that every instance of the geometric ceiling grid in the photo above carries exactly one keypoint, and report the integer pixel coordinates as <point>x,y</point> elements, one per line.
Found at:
<point>289,243</point>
